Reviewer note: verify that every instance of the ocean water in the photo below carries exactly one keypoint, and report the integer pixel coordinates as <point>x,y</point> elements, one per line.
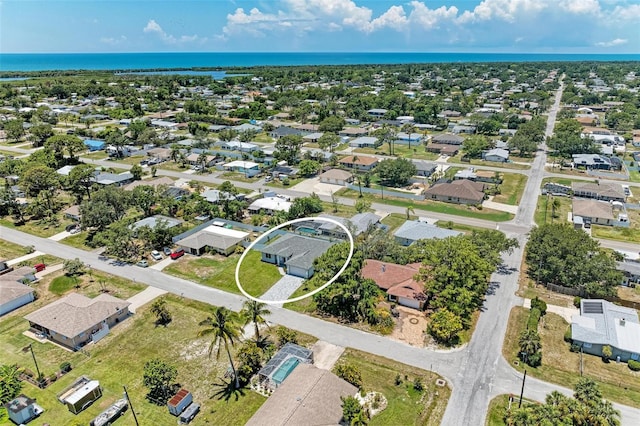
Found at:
<point>149,61</point>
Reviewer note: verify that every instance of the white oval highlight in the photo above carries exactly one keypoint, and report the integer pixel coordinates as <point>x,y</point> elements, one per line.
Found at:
<point>304,296</point>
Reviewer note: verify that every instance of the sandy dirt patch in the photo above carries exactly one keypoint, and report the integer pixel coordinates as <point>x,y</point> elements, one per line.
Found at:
<point>410,327</point>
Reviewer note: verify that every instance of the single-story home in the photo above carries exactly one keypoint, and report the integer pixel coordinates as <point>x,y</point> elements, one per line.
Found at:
<point>238,146</point>
<point>194,160</point>
<point>295,253</point>
<point>397,281</point>
<point>405,138</point>
<point>283,131</point>
<point>154,182</point>
<point>364,142</point>
<point>164,124</point>
<point>284,361</point>
<point>153,221</point>
<point>312,137</point>
<point>76,320</point>
<point>216,196</point>
<point>162,154</point>
<point>447,139</point>
<point>65,171</point>
<point>459,128</point>
<point>248,168</point>
<point>281,171</point>
<point>592,162</point>
<point>630,271</point>
<point>357,224</point>
<point>352,132</point>
<point>498,155</point>
<point>217,238</point>
<point>269,205</point>
<point>377,112</point>
<point>94,145</point>
<point>593,211</point>
<point>603,323</point>
<point>309,394</point>
<point>73,213</point>
<point>14,294</point>
<point>443,149</point>
<point>336,177</point>
<point>462,191</point>
<point>414,230</point>
<point>23,409</point>
<point>599,191</point>
<point>359,162</point>
<point>114,179</point>
<point>424,168</point>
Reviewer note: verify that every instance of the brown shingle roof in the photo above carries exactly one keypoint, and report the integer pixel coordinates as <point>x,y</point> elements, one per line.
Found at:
<point>336,174</point>
<point>462,188</point>
<point>156,182</point>
<point>592,208</point>
<point>396,280</point>
<point>76,313</point>
<point>309,396</point>
<point>603,189</point>
<point>360,159</point>
<point>11,290</point>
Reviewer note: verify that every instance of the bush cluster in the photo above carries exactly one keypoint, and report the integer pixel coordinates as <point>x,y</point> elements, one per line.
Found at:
<point>634,365</point>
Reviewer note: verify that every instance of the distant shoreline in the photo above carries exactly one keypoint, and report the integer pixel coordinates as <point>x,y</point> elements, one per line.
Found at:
<point>14,63</point>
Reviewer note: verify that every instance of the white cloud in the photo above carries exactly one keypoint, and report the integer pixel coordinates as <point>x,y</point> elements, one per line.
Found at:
<point>153,27</point>
<point>113,41</point>
<point>611,43</point>
<point>430,18</point>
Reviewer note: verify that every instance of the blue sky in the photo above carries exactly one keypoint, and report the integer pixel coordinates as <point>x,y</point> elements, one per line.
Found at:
<point>555,26</point>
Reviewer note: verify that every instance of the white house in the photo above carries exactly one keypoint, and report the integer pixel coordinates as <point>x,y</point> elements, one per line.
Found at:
<point>249,168</point>
<point>498,155</point>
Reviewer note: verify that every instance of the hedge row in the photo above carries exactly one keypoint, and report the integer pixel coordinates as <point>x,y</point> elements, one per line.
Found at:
<point>534,319</point>
<point>634,365</point>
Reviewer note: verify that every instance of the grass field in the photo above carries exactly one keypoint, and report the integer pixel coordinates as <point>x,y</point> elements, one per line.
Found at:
<point>416,151</point>
<point>616,381</point>
<point>78,240</point>
<point>118,360</point>
<point>406,406</point>
<point>433,206</point>
<point>498,407</point>
<point>219,272</point>
<point>34,227</point>
<point>467,229</point>
<point>544,210</point>
<point>478,162</point>
<point>395,220</point>
<point>511,189</point>
<point>10,250</point>
<point>98,155</point>
<point>631,234</point>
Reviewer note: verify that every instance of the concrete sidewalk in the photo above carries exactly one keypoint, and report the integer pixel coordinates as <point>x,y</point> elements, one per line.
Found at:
<point>49,269</point>
<point>162,264</point>
<point>144,297</point>
<point>25,257</point>
<point>61,236</point>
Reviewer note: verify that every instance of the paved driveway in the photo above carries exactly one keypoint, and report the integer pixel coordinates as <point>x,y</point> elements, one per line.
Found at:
<point>283,289</point>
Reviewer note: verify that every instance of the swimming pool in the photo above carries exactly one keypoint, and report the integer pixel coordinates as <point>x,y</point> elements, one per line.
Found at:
<point>284,370</point>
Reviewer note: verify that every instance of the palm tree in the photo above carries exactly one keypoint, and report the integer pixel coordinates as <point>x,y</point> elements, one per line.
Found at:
<point>254,312</point>
<point>410,211</point>
<point>606,414</point>
<point>202,160</point>
<point>409,128</point>
<point>223,325</point>
<point>529,343</point>
<point>586,391</point>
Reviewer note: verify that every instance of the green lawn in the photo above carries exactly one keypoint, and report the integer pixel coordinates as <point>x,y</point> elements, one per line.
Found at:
<point>10,250</point>
<point>498,409</point>
<point>277,183</point>
<point>219,272</point>
<point>479,162</point>
<point>417,151</point>
<point>406,406</point>
<point>511,189</point>
<point>433,206</point>
<point>98,155</point>
<point>240,177</point>
<point>118,360</point>
<point>341,209</point>
<point>131,160</point>
<point>78,240</point>
<point>544,210</point>
<point>467,229</point>
<point>37,228</point>
<point>62,284</point>
<point>561,366</point>
<point>395,220</point>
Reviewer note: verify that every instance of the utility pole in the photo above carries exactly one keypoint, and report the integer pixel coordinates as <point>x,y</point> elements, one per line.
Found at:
<point>36,363</point>
<point>126,395</point>
<point>522,390</point>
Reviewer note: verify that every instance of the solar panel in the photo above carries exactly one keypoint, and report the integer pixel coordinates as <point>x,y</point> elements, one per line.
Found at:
<point>590,307</point>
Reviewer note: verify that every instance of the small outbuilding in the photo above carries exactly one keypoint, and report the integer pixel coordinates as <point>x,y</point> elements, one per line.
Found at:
<point>94,145</point>
<point>23,409</point>
<point>179,402</point>
<point>81,394</point>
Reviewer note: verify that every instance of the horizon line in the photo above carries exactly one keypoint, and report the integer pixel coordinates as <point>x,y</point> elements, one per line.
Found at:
<point>324,52</point>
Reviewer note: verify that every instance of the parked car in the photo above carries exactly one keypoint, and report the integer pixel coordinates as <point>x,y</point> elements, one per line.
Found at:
<point>166,251</point>
<point>143,264</point>
<point>39,267</point>
<point>156,255</point>
<point>177,254</point>
<point>268,179</point>
<point>74,230</point>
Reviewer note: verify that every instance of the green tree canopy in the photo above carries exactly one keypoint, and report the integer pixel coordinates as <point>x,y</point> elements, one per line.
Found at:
<point>395,172</point>
<point>159,377</point>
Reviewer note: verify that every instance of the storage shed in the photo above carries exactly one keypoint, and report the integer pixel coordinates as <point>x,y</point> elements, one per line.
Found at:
<point>81,394</point>
<point>179,402</point>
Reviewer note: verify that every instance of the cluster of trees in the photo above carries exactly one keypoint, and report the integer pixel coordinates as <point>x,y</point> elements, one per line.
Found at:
<point>10,383</point>
<point>528,136</point>
<point>529,340</point>
<point>585,408</point>
<point>562,255</point>
<point>395,172</point>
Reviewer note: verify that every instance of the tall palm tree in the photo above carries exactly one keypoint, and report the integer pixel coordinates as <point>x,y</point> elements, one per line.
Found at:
<point>586,391</point>
<point>529,343</point>
<point>224,328</point>
<point>254,312</point>
<point>410,211</point>
<point>409,128</point>
<point>202,160</point>
<point>605,414</point>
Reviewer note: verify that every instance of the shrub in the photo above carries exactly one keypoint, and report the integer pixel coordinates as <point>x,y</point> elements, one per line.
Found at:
<point>535,360</point>
<point>567,335</point>
<point>285,336</point>
<point>350,373</point>
<point>417,384</point>
<point>634,365</point>
<point>534,318</point>
<point>65,366</point>
<point>576,301</point>
<point>539,304</point>
<point>398,380</point>
<point>53,377</point>
<point>575,347</point>
<point>607,353</point>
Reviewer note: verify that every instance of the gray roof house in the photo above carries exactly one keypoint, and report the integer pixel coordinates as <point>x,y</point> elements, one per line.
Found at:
<point>357,224</point>
<point>364,142</point>
<point>215,238</point>
<point>630,272</point>
<point>296,253</point>
<point>497,154</point>
<point>447,139</point>
<point>114,179</point>
<point>424,168</point>
<point>13,294</point>
<point>413,230</point>
<point>599,191</point>
<point>591,161</point>
<point>602,323</point>
<point>153,221</point>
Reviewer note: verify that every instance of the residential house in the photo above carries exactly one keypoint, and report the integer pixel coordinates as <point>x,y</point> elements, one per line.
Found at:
<point>65,171</point>
<point>75,320</point>
<point>498,155</point>
<point>336,177</point>
<point>215,196</point>
<point>215,238</point>
<point>457,129</point>
<point>364,142</point>
<point>357,224</point>
<point>269,205</point>
<point>73,213</point>
<point>164,124</point>
<point>602,323</point>
<point>113,179</point>
<point>359,162</point>
<point>295,253</point>
<point>13,293</point>
<point>377,112</point>
<point>462,191</point>
<point>630,272</point>
<point>424,168</point>
<point>599,191</point>
<point>161,154</point>
<point>247,127</point>
<point>414,230</point>
<point>447,139</point>
<point>22,409</point>
<point>194,160</point>
<point>353,132</point>
<point>443,149</point>
<point>238,146</point>
<point>591,162</point>
<point>248,168</point>
<point>312,137</point>
<point>397,281</point>
<point>593,211</point>
<point>283,131</point>
<point>283,170</point>
<point>309,394</point>
<point>153,221</point>
<point>406,138</point>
